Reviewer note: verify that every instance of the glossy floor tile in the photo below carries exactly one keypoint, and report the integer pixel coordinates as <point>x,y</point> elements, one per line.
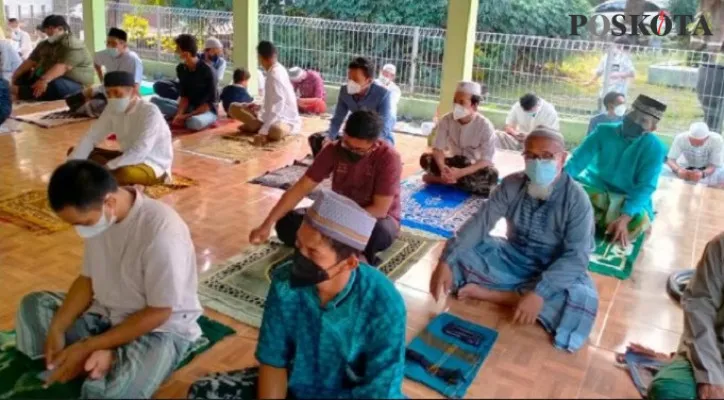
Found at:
<point>223,208</point>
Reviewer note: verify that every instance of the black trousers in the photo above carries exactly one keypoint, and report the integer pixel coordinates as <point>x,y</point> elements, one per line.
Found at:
<point>383,235</point>
<point>167,89</point>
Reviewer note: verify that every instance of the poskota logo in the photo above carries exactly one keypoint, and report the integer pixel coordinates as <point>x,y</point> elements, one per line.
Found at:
<point>639,25</point>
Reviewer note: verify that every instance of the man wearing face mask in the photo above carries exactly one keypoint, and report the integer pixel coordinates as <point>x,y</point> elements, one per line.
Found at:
<point>615,109</point>
<point>116,57</point>
<point>541,268</point>
<point>363,168</point>
<point>130,316</point>
<point>387,80</point>
<point>213,56</point>
<point>22,38</point>
<point>324,308</point>
<point>619,165</point>
<point>360,93</point>
<point>470,138</point>
<point>197,105</point>
<point>144,138</point>
<point>696,156</point>
<point>279,115</point>
<point>58,67</point>
<point>528,113</point>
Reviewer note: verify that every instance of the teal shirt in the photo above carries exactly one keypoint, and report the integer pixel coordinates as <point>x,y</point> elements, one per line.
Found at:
<point>607,161</point>
<point>353,347</point>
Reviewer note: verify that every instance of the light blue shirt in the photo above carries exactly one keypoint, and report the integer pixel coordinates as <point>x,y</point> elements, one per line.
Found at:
<point>9,59</point>
<point>219,66</point>
<point>607,161</point>
<point>352,347</point>
<point>602,118</point>
<point>126,62</point>
<point>377,98</point>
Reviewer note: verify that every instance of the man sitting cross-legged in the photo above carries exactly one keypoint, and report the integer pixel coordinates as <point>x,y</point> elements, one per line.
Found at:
<point>199,97</point>
<point>526,114</point>
<point>142,133</point>
<point>619,165</point>
<point>363,168</point>
<point>278,116</point>
<point>541,268</point>
<point>701,151</point>
<point>333,327</point>
<point>130,316</point>
<point>470,137</point>
<point>213,56</point>
<point>116,57</point>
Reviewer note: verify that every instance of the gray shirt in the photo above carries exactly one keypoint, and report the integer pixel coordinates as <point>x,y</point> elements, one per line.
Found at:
<point>146,260</point>
<point>703,339</point>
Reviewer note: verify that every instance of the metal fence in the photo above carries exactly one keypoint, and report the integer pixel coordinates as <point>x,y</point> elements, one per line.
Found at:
<point>558,70</point>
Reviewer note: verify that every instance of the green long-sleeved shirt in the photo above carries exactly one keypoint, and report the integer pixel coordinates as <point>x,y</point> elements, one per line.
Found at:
<point>608,161</point>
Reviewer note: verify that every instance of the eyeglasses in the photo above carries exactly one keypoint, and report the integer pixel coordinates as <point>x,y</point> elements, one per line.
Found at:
<point>543,156</point>
<point>449,375</point>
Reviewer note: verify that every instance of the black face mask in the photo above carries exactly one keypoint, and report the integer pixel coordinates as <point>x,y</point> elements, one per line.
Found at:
<point>630,129</point>
<point>348,154</point>
<point>305,272</point>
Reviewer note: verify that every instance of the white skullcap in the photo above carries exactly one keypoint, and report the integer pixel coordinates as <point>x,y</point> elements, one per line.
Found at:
<point>296,74</point>
<point>469,87</point>
<point>699,130</point>
<point>213,43</point>
<point>389,68</point>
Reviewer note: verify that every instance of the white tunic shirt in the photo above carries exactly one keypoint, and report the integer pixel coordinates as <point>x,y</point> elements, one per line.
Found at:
<point>697,157</point>
<point>146,260</point>
<point>474,140</point>
<point>24,43</point>
<point>525,123</point>
<point>280,101</point>
<point>142,134</point>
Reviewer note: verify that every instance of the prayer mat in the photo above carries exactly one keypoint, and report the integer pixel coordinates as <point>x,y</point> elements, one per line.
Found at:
<point>437,209</point>
<point>238,288</point>
<point>31,210</point>
<point>642,368</point>
<point>219,123</point>
<point>612,259</point>
<point>284,177</point>
<point>447,355</point>
<point>53,118</point>
<point>19,374</point>
<point>235,149</point>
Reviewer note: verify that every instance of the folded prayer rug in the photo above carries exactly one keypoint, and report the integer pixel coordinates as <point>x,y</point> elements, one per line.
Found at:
<point>19,374</point>
<point>238,287</point>
<point>447,355</point>
<point>614,260</point>
<point>284,177</point>
<point>53,118</point>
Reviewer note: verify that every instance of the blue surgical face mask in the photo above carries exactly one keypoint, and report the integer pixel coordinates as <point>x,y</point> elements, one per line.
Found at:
<point>541,172</point>
<point>113,52</point>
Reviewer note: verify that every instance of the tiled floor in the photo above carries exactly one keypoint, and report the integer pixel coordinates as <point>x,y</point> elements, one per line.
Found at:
<point>223,208</point>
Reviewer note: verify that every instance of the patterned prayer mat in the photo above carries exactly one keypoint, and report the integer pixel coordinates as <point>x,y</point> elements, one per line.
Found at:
<point>613,260</point>
<point>284,177</point>
<point>53,118</point>
<point>235,149</point>
<point>220,123</point>
<point>437,209</point>
<point>19,374</point>
<point>31,210</point>
<point>238,288</point>
<point>447,355</point>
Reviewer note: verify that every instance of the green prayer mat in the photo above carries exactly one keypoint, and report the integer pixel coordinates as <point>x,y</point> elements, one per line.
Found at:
<point>238,288</point>
<point>19,374</point>
<point>612,259</point>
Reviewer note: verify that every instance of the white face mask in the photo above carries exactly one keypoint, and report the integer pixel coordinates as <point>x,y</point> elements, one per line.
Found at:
<point>87,232</point>
<point>56,37</point>
<point>619,110</point>
<point>118,106</point>
<point>384,80</point>
<point>460,112</point>
<point>353,87</point>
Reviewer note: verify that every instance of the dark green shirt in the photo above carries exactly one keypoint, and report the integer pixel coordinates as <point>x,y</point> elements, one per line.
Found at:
<point>70,51</point>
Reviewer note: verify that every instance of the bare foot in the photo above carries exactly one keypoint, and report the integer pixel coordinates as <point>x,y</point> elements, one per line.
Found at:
<point>99,363</point>
<point>473,291</point>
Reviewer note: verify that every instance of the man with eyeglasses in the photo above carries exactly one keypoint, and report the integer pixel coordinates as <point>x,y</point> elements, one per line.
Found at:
<point>540,269</point>
<point>619,165</point>
<point>364,168</point>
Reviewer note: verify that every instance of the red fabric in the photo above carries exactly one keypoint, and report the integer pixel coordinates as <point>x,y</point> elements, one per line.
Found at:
<point>378,173</point>
<point>312,106</point>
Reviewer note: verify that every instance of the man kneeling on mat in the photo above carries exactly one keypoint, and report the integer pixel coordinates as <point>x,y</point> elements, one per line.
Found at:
<point>130,316</point>
<point>333,327</point>
<point>541,268</point>
<point>470,138</point>
<point>363,168</point>
<point>141,131</point>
